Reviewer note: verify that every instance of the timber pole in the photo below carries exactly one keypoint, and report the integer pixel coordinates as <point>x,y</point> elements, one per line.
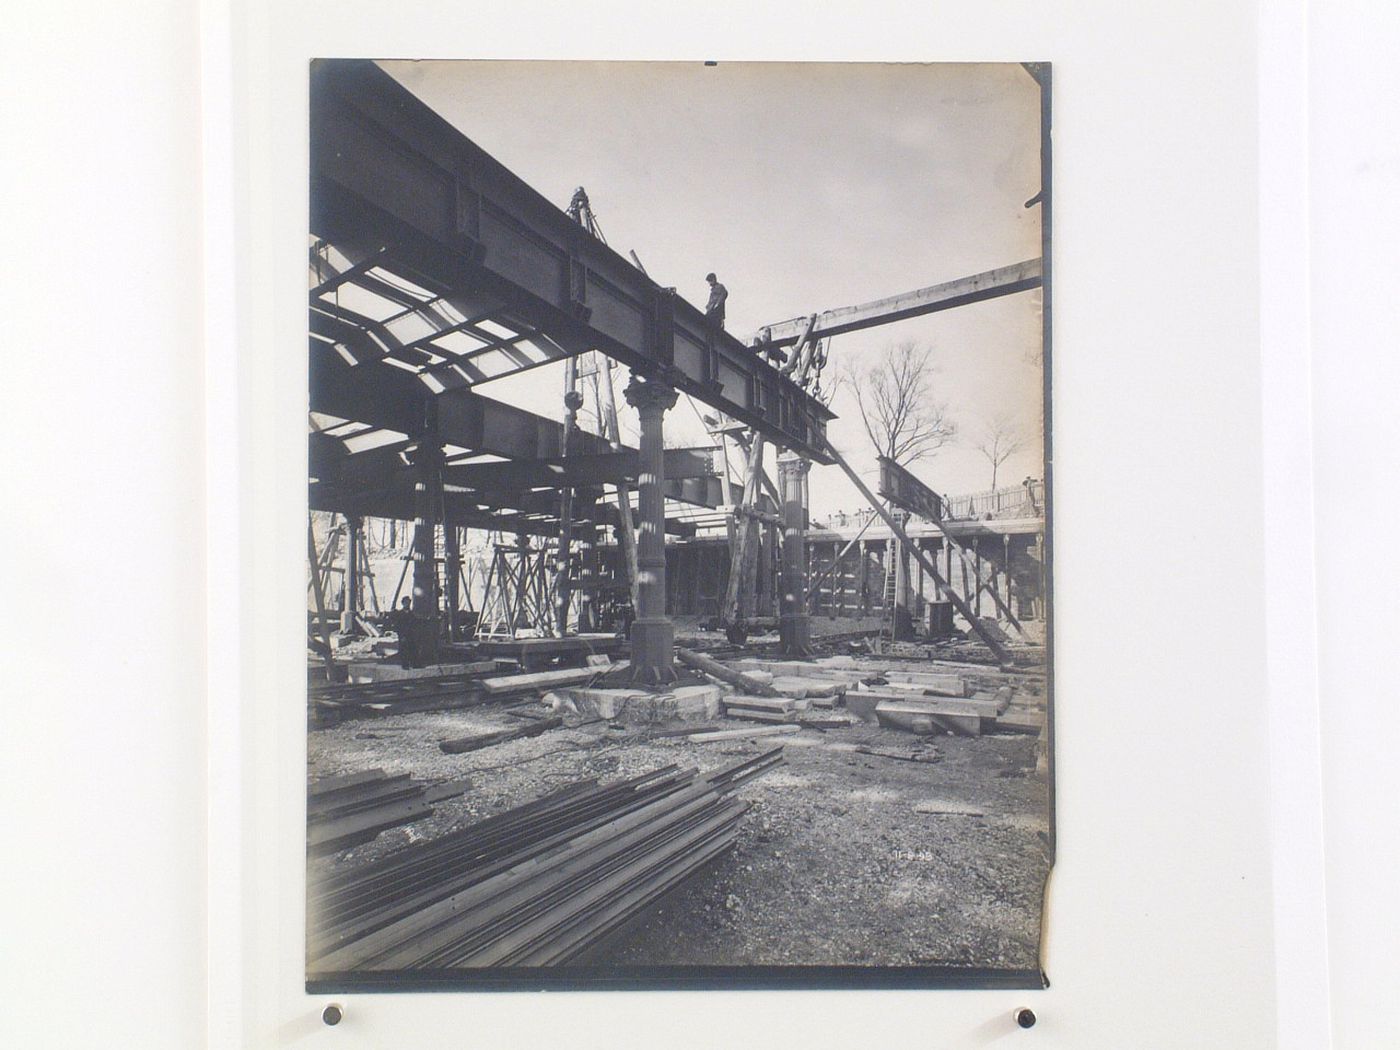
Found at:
<point>427,504</point>
<point>452,576</point>
<point>350,607</point>
<point>317,583</point>
<point>653,637</point>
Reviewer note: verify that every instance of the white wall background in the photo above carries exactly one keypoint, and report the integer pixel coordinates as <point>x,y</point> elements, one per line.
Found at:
<point>140,822</point>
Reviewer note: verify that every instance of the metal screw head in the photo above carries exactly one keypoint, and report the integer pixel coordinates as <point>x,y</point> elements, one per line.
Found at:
<point>332,1014</point>
<point>1025,1017</point>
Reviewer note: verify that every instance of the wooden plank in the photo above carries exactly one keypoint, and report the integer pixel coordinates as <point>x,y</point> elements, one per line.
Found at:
<point>519,683</point>
<point>938,705</point>
<point>927,756</point>
<point>825,723</point>
<point>737,734</point>
<point>762,703</point>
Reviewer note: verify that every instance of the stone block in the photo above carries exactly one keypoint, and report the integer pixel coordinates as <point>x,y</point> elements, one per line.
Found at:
<point>697,703</point>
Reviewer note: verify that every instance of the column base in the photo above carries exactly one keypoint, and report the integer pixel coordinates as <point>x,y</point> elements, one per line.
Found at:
<point>653,651</point>
<point>795,635</point>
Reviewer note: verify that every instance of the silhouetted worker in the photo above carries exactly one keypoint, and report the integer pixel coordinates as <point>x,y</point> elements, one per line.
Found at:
<point>403,624</point>
<point>1029,485</point>
<point>714,309</point>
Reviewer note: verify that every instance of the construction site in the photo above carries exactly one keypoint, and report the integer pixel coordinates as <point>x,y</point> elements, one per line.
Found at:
<point>605,681</point>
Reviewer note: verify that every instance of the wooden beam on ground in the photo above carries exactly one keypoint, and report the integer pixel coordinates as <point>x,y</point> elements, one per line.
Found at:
<point>475,743</point>
<point>520,683</point>
<point>719,671</point>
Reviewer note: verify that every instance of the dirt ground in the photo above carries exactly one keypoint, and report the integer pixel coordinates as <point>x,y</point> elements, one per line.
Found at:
<point>843,858</point>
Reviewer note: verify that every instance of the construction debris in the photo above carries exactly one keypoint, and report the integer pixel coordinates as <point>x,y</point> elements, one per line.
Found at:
<point>926,755</point>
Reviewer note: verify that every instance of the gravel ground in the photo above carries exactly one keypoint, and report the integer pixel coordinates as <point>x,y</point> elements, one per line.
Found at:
<point>834,864</point>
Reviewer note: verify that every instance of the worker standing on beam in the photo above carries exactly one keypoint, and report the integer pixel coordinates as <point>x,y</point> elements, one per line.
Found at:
<point>714,309</point>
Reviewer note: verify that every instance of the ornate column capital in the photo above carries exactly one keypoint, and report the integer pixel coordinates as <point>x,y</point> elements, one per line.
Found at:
<point>791,465</point>
<point>649,394</point>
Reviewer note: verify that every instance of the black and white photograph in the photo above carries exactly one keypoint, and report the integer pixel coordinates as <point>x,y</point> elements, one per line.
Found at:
<point>727,572</point>
<point>678,554</point>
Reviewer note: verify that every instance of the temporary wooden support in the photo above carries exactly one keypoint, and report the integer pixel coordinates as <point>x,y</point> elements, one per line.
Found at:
<point>318,587</point>
<point>972,565</point>
<point>987,637</point>
<point>742,555</point>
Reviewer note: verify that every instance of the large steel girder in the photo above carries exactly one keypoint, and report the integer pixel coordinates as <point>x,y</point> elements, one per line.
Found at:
<point>388,172</point>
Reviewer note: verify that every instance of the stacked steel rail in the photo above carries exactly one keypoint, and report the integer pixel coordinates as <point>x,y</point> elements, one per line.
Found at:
<point>349,810</point>
<point>534,886</point>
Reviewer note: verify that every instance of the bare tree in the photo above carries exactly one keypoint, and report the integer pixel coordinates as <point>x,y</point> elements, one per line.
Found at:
<point>896,404</point>
<point>1000,439</point>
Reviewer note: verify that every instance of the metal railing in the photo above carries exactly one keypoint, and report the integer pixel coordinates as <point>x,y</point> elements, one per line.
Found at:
<point>1026,500</point>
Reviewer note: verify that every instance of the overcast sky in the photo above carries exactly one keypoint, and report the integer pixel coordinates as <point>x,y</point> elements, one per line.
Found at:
<point>804,187</point>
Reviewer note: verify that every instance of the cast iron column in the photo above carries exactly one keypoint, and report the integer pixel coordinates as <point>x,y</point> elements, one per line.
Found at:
<point>794,624</point>
<point>653,637</point>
